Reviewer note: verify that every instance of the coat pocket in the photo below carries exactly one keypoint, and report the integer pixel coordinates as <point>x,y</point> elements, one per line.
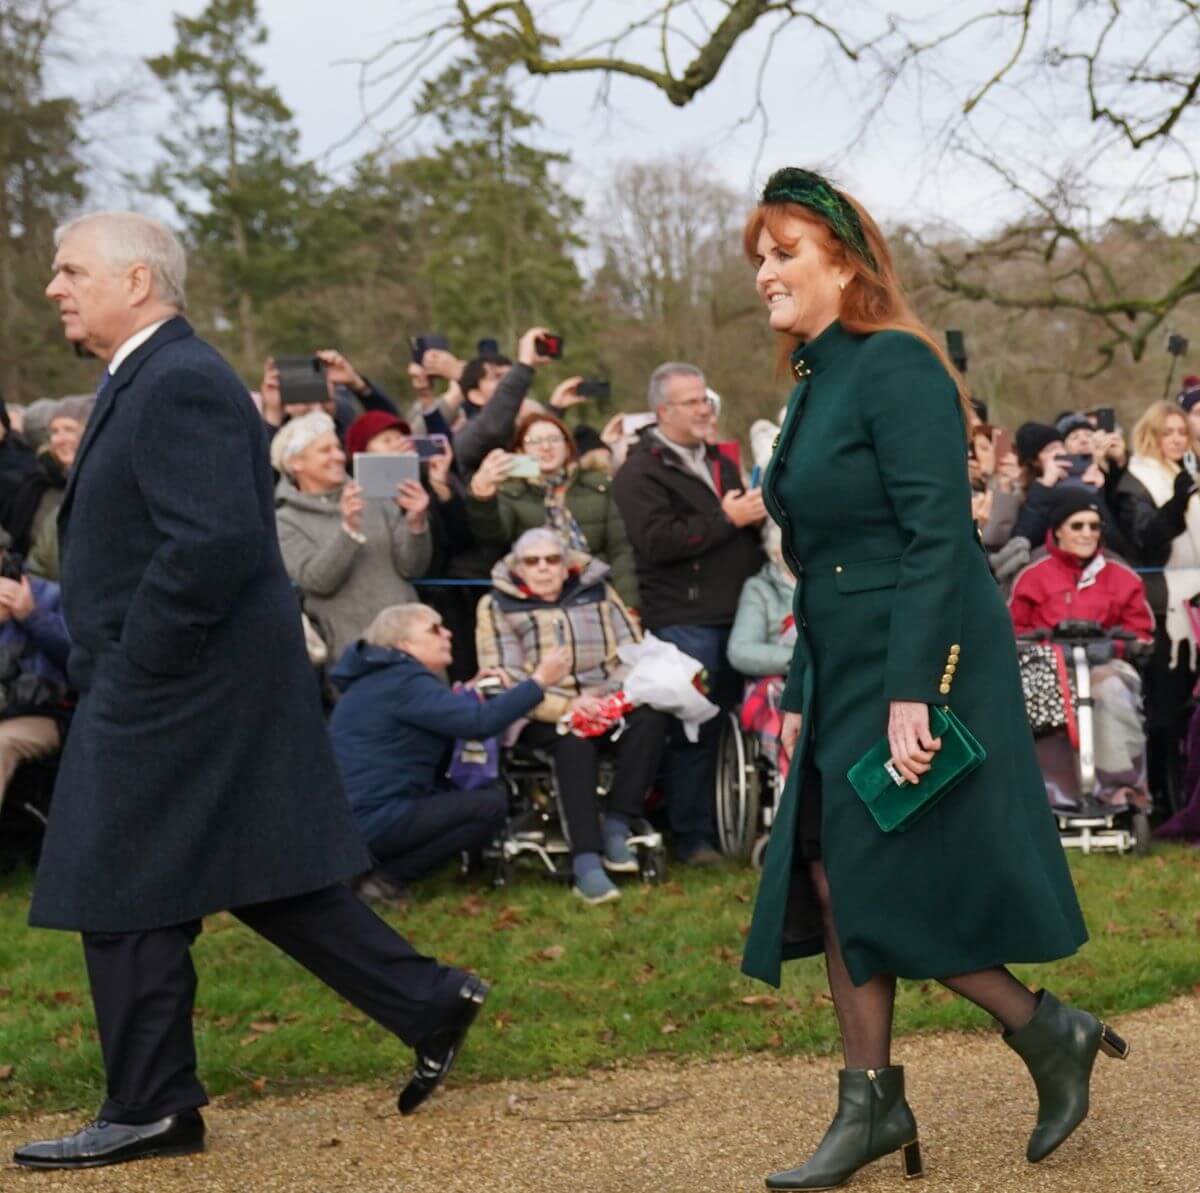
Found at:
<point>871,574</point>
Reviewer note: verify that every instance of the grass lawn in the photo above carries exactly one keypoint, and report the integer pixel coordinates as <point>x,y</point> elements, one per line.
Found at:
<point>574,987</point>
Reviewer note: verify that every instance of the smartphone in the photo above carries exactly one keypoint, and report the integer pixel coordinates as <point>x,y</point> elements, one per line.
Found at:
<point>549,345</point>
<point>380,472</point>
<point>594,388</point>
<point>421,344</point>
<point>956,348</point>
<point>525,468</point>
<point>301,380</point>
<point>1106,418</point>
<point>428,446</point>
<point>1077,462</point>
<point>631,424</point>
<point>1002,444</point>
<point>756,476</point>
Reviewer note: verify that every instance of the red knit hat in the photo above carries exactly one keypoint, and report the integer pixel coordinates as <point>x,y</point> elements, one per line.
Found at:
<point>364,428</point>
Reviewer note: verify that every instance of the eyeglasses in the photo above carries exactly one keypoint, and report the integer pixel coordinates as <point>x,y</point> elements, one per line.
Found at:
<point>531,561</point>
<point>545,441</point>
<point>435,628</point>
<point>693,404</point>
<point>1090,527</point>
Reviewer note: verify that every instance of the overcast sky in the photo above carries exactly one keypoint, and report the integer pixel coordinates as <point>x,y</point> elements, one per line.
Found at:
<point>811,95</point>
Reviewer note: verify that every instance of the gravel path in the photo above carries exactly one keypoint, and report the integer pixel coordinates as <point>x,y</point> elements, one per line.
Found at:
<point>700,1128</point>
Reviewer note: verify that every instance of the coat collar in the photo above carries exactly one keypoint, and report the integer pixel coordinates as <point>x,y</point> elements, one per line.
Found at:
<point>174,329</point>
<point>1086,569</point>
<point>819,353</point>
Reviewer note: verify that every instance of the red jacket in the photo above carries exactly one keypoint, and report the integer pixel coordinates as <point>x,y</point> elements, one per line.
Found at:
<point>1062,587</point>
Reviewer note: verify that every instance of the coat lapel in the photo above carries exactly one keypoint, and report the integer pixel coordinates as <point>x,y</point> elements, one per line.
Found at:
<point>173,329</point>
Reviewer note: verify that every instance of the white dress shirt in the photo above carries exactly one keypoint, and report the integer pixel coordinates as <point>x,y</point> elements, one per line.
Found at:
<point>134,342</point>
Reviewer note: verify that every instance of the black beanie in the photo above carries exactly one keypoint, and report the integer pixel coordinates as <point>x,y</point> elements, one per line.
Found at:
<point>1072,499</point>
<point>1031,438</point>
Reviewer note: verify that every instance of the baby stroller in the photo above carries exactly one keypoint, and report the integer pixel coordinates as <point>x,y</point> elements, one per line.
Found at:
<point>1085,821</point>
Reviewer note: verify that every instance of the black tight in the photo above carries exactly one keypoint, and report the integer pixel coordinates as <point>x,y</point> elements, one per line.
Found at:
<point>864,1013</point>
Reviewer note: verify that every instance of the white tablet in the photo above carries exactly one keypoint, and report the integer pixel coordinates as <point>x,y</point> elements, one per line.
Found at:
<point>380,472</point>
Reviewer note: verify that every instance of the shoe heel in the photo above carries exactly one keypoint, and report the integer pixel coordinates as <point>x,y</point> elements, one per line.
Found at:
<point>1112,1044</point>
<point>910,1155</point>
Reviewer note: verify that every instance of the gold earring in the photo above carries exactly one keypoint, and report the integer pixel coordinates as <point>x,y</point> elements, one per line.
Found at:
<point>841,286</point>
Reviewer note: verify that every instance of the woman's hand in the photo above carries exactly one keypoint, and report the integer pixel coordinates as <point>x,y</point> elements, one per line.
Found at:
<point>414,501</point>
<point>527,353</point>
<point>981,507</point>
<point>555,665</point>
<point>789,732</point>
<point>496,466</point>
<point>912,745</point>
<point>352,507</point>
<point>439,472</point>
<point>585,704</point>
<point>1052,472</point>
<point>1094,476</point>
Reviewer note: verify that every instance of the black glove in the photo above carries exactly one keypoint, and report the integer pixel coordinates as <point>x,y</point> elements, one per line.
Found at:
<point>1185,486</point>
<point>1100,652</point>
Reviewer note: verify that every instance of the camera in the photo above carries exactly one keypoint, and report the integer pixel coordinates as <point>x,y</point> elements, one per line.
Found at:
<point>419,345</point>
<point>549,345</point>
<point>1177,345</point>
<point>594,388</point>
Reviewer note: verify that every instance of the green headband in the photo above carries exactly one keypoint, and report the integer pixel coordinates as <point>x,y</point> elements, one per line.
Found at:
<point>792,185</point>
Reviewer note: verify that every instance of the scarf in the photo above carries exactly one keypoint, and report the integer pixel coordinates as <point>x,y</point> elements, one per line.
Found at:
<point>1182,572</point>
<point>558,517</point>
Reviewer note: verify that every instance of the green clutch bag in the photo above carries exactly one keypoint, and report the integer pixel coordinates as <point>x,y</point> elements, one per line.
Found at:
<point>896,804</point>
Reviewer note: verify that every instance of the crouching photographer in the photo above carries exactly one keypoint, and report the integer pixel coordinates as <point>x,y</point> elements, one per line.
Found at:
<point>393,730</point>
<point>33,659</point>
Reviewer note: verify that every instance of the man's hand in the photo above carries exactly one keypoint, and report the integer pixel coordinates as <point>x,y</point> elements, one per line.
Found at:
<point>414,501</point>
<point>272,396</point>
<point>340,371</point>
<point>527,353</point>
<point>742,508</point>
<point>421,387</point>
<point>555,665</point>
<point>352,507</point>
<point>17,598</point>
<point>438,362</point>
<point>564,395</point>
<point>494,470</point>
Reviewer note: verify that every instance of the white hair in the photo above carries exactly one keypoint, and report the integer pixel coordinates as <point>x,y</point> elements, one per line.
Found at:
<point>127,238</point>
<point>396,623</point>
<point>656,391</point>
<point>298,435</point>
<point>539,534</point>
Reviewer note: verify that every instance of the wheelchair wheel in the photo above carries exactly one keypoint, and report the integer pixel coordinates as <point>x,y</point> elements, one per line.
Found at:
<point>759,852</point>
<point>738,797</point>
<point>1141,833</point>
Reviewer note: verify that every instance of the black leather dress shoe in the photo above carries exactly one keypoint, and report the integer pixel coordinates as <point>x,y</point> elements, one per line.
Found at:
<point>101,1143</point>
<point>437,1052</point>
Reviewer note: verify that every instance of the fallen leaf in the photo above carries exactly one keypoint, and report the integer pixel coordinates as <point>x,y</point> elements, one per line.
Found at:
<point>259,1085</point>
<point>502,1019</point>
<point>6,1072</point>
<point>509,917</point>
<point>775,1041</point>
<point>741,898</point>
<point>759,1000</point>
<point>551,953</point>
<point>247,1040</point>
<point>645,974</point>
<point>66,996</point>
<point>264,1026</point>
<point>472,906</point>
<point>669,1029</point>
<point>726,954</point>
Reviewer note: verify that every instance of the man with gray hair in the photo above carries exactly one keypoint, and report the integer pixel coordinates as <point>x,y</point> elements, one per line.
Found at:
<point>198,776</point>
<point>695,543</point>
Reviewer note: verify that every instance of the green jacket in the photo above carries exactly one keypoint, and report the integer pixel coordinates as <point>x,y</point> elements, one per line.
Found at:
<point>520,505</point>
<point>894,601</point>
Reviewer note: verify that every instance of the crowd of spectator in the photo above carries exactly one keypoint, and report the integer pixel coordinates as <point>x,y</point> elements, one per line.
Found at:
<point>529,546</point>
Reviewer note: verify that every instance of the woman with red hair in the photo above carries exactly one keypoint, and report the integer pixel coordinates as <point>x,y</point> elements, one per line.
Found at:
<point>895,607</point>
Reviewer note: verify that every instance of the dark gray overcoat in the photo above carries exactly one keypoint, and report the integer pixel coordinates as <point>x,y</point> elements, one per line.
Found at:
<point>198,773</point>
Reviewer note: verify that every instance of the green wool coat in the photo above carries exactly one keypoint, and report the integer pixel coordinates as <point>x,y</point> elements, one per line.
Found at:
<point>520,505</point>
<point>894,601</point>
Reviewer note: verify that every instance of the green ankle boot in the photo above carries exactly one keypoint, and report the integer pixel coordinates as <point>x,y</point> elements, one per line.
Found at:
<point>1059,1046</point>
<point>872,1120</point>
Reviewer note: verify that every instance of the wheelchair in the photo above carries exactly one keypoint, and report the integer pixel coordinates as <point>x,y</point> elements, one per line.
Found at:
<point>1090,825</point>
<point>748,787</point>
<point>536,831</point>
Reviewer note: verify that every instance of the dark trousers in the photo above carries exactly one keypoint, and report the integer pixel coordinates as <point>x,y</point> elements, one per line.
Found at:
<point>144,984</point>
<point>576,765</point>
<point>690,777</point>
<point>432,830</point>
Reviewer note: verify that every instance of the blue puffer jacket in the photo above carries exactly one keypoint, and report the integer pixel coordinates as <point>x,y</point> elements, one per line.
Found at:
<point>40,642</point>
<point>394,726</point>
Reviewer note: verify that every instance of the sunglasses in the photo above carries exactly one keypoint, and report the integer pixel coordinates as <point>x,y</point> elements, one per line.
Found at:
<point>1094,527</point>
<point>531,561</point>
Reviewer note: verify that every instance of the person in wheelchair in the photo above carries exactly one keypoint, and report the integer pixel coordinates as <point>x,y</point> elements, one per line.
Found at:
<point>1076,581</point>
<point>393,730</point>
<point>544,595</point>
<point>761,644</point>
